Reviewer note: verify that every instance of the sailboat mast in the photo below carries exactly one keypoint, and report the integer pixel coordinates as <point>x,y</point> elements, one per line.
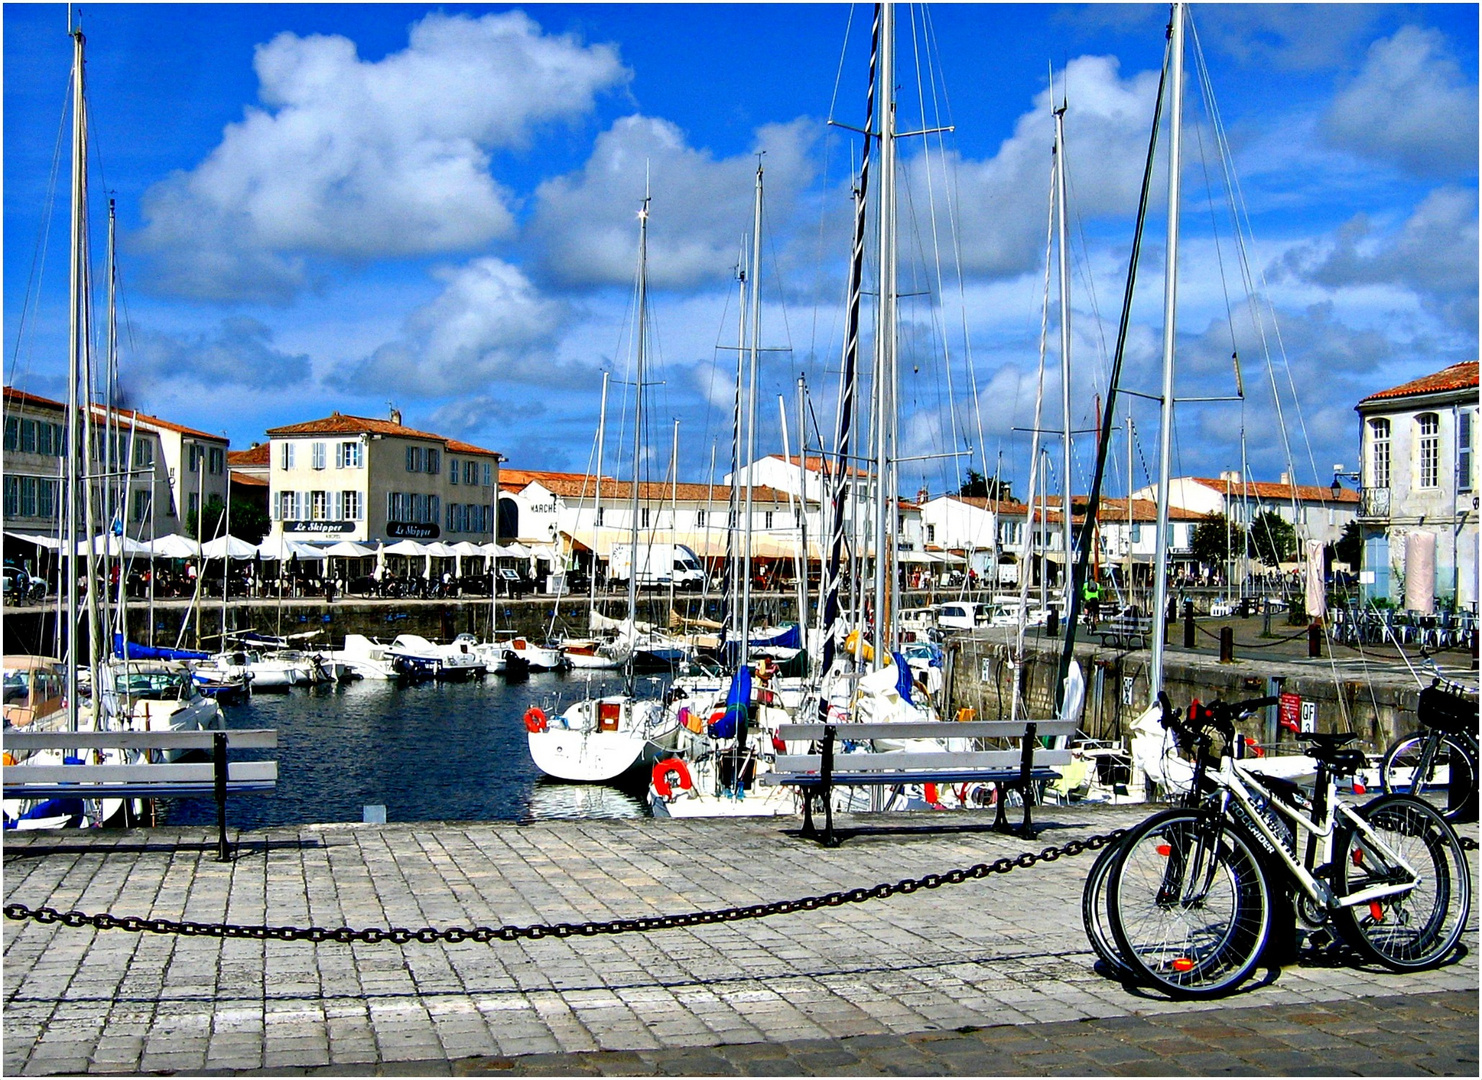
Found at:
<point>75,434</point>
<point>1065,479</point>
<point>803,512</point>
<point>1170,303</point>
<point>597,501</point>
<point>638,420</point>
<point>884,388</point>
<point>756,323</point>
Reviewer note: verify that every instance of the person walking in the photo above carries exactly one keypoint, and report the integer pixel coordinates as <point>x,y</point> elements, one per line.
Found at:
<point>1091,594</point>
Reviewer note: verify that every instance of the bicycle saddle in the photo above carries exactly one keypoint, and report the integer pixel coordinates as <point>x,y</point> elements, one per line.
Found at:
<point>1324,742</point>
<point>1329,748</point>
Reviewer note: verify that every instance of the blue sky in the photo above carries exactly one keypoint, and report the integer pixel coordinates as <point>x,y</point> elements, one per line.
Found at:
<point>342,206</point>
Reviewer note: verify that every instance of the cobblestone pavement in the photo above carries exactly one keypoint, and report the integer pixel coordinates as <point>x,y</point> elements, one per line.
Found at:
<point>992,976</point>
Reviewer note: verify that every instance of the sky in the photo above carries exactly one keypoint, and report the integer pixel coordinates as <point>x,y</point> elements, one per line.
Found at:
<point>356,207</point>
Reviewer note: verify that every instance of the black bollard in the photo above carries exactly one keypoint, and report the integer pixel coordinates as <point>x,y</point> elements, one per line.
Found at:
<point>1227,645</point>
<point>1314,641</point>
<point>1188,624</point>
<point>1052,622</point>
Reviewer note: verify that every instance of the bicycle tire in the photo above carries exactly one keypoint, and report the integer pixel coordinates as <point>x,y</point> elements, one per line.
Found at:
<point>1191,928</point>
<point>1417,929</point>
<point>1094,911</point>
<point>1402,761</point>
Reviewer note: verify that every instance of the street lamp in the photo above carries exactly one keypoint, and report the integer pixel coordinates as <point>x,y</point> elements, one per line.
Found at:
<point>1338,475</point>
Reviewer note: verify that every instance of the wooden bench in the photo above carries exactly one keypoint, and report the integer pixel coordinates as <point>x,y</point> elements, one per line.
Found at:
<point>815,774</point>
<point>216,778</point>
<point>1126,631</point>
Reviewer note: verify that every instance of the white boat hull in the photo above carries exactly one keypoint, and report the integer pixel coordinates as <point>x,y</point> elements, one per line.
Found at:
<point>574,746</point>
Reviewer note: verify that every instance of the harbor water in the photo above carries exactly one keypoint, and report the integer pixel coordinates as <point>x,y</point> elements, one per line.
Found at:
<point>443,751</point>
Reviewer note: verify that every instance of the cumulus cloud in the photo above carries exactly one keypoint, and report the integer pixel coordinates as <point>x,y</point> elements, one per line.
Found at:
<point>1002,201</point>
<point>465,417</point>
<point>584,229</point>
<point>1294,37</point>
<point>1433,254</point>
<point>239,353</point>
<point>354,159</point>
<point>489,324</point>
<point>1410,106</point>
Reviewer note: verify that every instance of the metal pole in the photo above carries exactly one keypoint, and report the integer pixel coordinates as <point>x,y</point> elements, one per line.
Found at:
<point>885,337</point>
<point>1065,480</point>
<point>756,323</point>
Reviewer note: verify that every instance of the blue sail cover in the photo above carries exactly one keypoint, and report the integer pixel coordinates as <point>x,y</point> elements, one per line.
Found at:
<point>152,652</point>
<point>790,637</point>
<point>738,700</point>
<point>903,678</point>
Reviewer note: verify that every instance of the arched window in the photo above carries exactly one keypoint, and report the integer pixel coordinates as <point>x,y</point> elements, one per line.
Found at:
<point>509,519</point>
<point>1379,453</point>
<point>1429,462</point>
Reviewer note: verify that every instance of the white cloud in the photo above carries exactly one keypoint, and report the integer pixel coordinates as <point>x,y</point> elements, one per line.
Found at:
<point>490,324</point>
<point>585,228</point>
<point>1410,106</point>
<point>353,159</point>
<point>239,353</point>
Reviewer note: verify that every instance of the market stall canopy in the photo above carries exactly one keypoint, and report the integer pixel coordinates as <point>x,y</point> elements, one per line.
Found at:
<point>51,543</point>
<point>227,547</point>
<point>407,548</point>
<point>468,547</point>
<point>176,546</point>
<point>349,549</point>
<point>439,550</point>
<point>287,549</point>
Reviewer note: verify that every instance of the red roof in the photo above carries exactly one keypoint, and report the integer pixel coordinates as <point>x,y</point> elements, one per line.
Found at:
<point>1280,492</point>
<point>259,455</point>
<point>241,479</point>
<point>456,446</point>
<point>580,486</point>
<point>123,415</point>
<point>1457,377</point>
<point>344,424</point>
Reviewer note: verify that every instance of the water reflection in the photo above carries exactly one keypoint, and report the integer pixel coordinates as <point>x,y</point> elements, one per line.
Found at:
<point>431,752</point>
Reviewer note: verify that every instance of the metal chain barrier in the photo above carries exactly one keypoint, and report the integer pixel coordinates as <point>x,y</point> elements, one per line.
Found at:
<point>374,935</point>
<point>1255,645</point>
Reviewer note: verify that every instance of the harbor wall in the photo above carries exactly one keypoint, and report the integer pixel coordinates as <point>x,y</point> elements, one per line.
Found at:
<point>981,673</point>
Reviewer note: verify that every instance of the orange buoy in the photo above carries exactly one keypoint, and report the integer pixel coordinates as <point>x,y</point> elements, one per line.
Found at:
<point>535,719</point>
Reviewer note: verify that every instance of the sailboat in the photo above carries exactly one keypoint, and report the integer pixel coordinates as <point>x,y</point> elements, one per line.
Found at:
<point>601,739</point>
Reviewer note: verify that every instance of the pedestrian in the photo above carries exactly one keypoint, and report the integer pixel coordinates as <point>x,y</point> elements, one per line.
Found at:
<point>329,590</point>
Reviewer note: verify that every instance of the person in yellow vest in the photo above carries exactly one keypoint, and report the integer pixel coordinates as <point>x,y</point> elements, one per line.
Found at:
<point>1091,594</point>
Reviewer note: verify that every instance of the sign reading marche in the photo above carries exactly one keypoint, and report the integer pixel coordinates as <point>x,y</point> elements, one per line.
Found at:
<point>412,530</point>
<point>318,526</point>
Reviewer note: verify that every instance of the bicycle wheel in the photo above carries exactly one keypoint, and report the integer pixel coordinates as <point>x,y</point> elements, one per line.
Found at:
<point>1416,928</point>
<point>1094,913</point>
<point>1189,904</point>
<point>1452,768</point>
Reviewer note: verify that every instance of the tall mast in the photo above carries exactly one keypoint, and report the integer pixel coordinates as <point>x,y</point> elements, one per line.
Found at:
<point>1170,303</point>
<point>803,512</point>
<point>1065,479</point>
<point>76,343</point>
<point>638,421</point>
<point>597,501</point>
<point>756,324</point>
<point>884,381</point>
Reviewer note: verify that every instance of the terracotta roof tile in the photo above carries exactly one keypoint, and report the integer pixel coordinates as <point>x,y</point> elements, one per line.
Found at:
<point>125,415</point>
<point>580,486</point>
<point>457,446</point>
<point>260,455</point>
<point>241,479</point>
<point>343,424</point>
<point>1457,377</point>
<point>1261,489</point>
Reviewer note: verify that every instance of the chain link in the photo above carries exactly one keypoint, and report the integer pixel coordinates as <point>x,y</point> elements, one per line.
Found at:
<point>428,935</point>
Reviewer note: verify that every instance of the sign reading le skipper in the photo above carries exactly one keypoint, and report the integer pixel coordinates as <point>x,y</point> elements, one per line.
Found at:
<point>318,526</point>
<point>412,530</point>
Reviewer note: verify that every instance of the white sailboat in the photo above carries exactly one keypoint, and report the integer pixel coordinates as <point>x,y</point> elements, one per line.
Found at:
<point>601,739</point>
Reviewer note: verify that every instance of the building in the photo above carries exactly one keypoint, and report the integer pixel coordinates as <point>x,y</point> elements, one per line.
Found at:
<point>173,470</point>
<point>1418,473</point>
<point>358,478</point>
<point>250,471</point>
<point>1314,512</point>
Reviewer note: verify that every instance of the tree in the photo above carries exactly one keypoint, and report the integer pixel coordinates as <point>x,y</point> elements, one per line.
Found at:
<point>1272,540</point>
<point>1350,546</point>
<point>978,486</point>
<point>248,522</point>
<point>1216,541</point>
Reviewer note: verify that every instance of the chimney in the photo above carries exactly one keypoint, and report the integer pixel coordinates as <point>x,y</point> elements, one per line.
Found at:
<point>1230,476</point>
<point>1286,478</point>
<point>396,416</point>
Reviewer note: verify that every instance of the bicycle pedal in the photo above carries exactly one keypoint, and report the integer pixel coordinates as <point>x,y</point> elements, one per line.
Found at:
<point>1320,939</point>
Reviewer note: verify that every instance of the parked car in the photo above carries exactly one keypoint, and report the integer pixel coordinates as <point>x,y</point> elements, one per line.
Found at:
<point>21,586</point>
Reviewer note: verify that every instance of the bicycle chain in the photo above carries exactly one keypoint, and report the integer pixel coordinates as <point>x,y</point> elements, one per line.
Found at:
<point>483,934</point>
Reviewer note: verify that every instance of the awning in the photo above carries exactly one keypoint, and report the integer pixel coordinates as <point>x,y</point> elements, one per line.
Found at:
<point>227,546</point>
<point>409,548</point>
<point>176,546</point>
<point>349,549</point>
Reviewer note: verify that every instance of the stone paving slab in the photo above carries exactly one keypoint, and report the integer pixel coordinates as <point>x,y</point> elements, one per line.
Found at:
<point>913,984</point>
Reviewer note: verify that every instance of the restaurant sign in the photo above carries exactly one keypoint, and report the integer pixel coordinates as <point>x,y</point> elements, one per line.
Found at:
<point>325,527</point>
<point>412,530</point>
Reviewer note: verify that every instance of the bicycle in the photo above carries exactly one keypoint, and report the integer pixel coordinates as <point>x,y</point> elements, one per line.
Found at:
<point>1442,753</point>
<point>1194,890</point>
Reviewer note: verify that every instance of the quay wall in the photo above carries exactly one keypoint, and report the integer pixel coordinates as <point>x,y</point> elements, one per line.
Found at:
<point>1377,707</point>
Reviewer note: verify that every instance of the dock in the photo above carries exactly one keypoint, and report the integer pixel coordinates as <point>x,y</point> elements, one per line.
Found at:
<point>992,975</point>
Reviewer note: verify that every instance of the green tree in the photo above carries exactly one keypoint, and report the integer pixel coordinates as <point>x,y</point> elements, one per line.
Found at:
<point>1350,546</point>
<point>1272,540</point>
<point>248,522</point>
<point>978,486</point>
<point>1216,541</point>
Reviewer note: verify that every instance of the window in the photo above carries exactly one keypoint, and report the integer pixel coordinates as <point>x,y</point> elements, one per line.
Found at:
<point>46,497</point>
<point>143,453</point>
<point>318,456</point>
<point>1464,450</point>
<point>141,505</point>
<point>488,473</point>
<point>1379,453</point>
<point>349,455</point>
<point>12,433</point>
<point>643,522</point>
<point>414,459</point>
<point>12,496</point>
<point>215,460</point>
<point>28,493</point>
<point>699,519</point>
<point>434,460</point>
<point>43,439</point>
<point>452,474</point>
<point>194,506</point>
<point>434,509</point>
<point>931,534</point>
<point>767,520</point>
<point>288,455</point>
<point>471,473</point>
<point>28,438</point>
<point>284,506</point>
<point>1430,449</point>
<point>318,505</point>
<point>601,514</point>
<point>353,511</point>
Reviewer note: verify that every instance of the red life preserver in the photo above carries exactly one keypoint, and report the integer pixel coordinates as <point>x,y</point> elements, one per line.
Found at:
<point>671,767</point>
<point>535,719</point>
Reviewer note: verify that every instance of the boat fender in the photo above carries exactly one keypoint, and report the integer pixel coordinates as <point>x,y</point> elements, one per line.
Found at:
<point>671,767</point>
<point>535,719</point>
<point>930,794</point>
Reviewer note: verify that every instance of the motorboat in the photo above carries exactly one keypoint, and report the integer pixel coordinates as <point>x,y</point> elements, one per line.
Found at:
<point>367,658</point>
<point>601,739</point>
<point>460,660</point>
<point>536,657</point>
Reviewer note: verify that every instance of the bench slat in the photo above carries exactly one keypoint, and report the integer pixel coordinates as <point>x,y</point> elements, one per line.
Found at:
<point>935,776</point>
<point>236,739</point>
<point>134,791</point>
<point>899,761</point>
<point>19,777</point>
<point>944,729</point>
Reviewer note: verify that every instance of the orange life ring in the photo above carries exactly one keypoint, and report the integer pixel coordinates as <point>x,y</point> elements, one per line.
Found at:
<point>535,719</point>
<point>676,768</point>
